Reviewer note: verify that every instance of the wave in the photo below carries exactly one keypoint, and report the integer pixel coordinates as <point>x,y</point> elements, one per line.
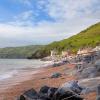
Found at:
<point>7,75</point>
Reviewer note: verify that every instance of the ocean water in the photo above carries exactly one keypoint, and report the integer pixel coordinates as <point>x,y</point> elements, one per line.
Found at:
<point>10,67</point>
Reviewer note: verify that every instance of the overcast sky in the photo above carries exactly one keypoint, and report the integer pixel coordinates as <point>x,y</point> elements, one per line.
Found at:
<point>27,22</point>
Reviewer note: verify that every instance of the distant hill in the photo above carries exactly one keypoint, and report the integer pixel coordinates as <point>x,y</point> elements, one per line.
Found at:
<point>88,37</point>
<point>18,52</point>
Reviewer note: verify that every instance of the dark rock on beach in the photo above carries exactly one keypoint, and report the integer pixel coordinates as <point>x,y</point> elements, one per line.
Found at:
<point>68,91</point>
<point>52,91</point>
<point>44,90</point>
<point>29,95</point>
<point>98,93</point>
<point>66,95</point>
<point>21,98</point>
<point>56,75</point>
<point>43,93</point>
<point>71,86</point>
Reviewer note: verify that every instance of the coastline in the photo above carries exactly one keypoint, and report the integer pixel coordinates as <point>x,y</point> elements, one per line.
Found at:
<point>37,80</point>
<point>16,85</point>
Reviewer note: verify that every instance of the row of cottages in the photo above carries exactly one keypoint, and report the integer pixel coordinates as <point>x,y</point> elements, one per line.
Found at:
<point>67,54</point>
<point>88,54</point>
<point>64,55</point>
<point>83,55</point>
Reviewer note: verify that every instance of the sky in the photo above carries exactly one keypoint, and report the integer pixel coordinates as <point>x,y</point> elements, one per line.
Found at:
<point>31,22</point>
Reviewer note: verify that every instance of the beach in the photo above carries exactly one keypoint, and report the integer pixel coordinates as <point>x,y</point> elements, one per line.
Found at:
<point>36,79</point>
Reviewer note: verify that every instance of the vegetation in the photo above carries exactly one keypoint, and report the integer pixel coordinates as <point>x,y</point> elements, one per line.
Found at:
<point>18,52</point>
<point>89,37</point>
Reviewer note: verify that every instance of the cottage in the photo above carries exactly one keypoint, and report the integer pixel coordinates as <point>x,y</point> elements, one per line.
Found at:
<point>53,53</point>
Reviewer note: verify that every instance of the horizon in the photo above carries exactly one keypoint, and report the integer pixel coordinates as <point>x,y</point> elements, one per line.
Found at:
<point>46,43</point>
<point>40,22</point>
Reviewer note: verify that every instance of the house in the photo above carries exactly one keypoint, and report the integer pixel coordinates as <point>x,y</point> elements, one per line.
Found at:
<point>65,53</point>
<point>85,51</point>
<point>53,53</point>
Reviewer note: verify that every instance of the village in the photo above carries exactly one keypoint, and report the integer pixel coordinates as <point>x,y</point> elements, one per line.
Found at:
<point>84,55</point>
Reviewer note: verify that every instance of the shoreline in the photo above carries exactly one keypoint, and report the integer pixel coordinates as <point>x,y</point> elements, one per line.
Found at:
<point>18,84</point>
<point>37,80</point>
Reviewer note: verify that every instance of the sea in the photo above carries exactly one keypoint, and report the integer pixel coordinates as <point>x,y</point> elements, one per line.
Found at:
<point>10,67</point>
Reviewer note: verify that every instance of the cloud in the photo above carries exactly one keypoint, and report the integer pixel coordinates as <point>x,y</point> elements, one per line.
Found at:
<point>25,2</point>
<point>24,15</point>
<point>43,33</point>
<point>69,9</point>
<point>24,18</point>
<point>70,17</point>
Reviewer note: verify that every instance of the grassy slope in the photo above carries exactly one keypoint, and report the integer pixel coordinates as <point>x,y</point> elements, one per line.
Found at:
<point>18,52</point>
<point>88,37</point>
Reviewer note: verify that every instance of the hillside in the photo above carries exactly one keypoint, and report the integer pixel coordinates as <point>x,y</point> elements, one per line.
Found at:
<point>18,52</point>
<point>87,37</point>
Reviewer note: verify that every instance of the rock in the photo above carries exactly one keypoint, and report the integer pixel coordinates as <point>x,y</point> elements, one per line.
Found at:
<point>72,86</point>
<point>44,89</point>
<point>98,92</point>
<point>68,90</point>
<point>66,95</point>
<point>56,75</point>
<point>86,91</point>
<point>43,93</point>
<point>56,64</point>
<point>30,94</point>
<point>98,97</point>
<point>89,72</point>
<point>21,98</point>
<point>43,97</point>
<point>51,92</point>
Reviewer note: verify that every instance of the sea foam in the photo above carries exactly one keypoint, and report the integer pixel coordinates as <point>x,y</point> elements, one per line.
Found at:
<point>7,75</point>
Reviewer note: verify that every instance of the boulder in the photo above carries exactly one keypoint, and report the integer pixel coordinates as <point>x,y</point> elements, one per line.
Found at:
<point>89,72</point>
<point>98,97</point>
<point>65,92</point>
<point>43,97</point>
<point>44,89</point>
<point>43,93</point>
<point>66,95</point>
<point>98,90</point>
<point>57,64</point>
<point>68,91</point>
<point>52,91</point>
<point>56,75</point>
<point>21,98</point>
<point>30,94</point>
<point>86,91</point>
<point>72,86</point>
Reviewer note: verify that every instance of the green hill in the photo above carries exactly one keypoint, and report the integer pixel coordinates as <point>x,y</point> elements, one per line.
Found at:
<point>88,37</point>
<point>18,52</point>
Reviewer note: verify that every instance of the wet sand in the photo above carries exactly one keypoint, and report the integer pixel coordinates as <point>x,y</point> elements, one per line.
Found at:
<point>30,79</point>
